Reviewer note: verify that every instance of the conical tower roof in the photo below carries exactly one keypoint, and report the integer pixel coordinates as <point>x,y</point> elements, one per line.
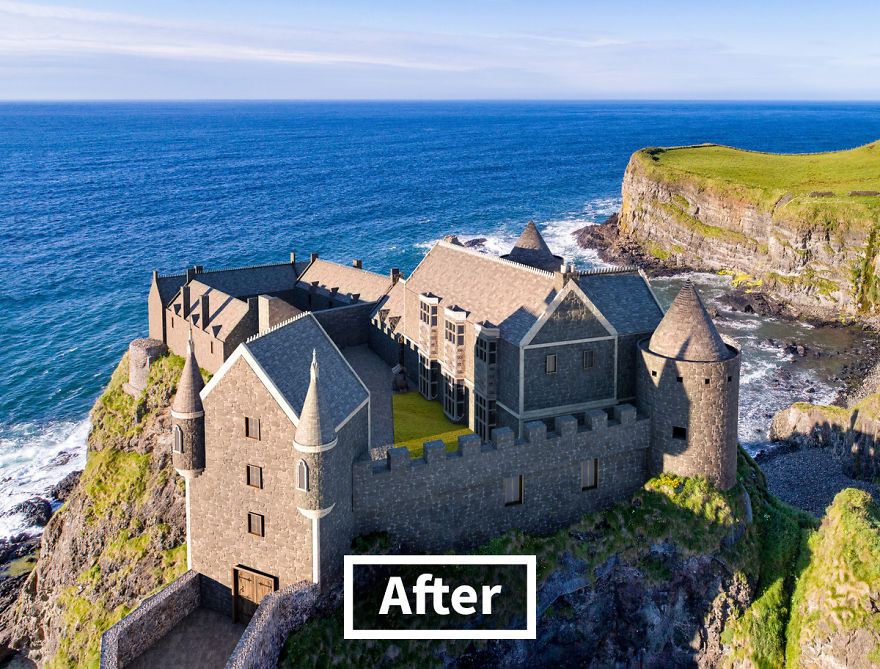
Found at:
<point>315,421</point>
<point>687,331</point>
<point>187,400</point>
<point>531,249</point>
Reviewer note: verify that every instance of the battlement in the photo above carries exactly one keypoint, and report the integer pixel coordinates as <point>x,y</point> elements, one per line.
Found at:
<point>568,432</point>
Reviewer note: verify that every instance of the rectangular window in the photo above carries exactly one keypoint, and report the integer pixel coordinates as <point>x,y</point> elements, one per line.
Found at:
<point>589,474</point>
<point>428,313</point>
<point>513,490</point>
<point>255,476</point>
<point>455,333</point>
<point>679,379</point>
<point>706,381</point>
<point>256,525</point>
<point>729,379</point>
<point>588,359</point>
<point>212,346</point>
<point>550,364</point>
<point>450,331</point>
<point>485,416</point>
<point>679,432</point>
<point>251,427</point>
<point>493,352</point>
<point>653,372</point>
<point>428,378</point>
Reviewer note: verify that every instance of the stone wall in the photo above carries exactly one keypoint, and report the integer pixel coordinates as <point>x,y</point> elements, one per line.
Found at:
<point>141,354</point>
<point>571,384</point>
<point>455,500</point>
<point>347,326</point>
<point>279,614</point>
<point>384,344</point>
<point>150,621</point>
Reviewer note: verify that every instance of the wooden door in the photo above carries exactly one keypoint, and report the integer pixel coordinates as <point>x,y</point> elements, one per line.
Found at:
<point>249,587</point>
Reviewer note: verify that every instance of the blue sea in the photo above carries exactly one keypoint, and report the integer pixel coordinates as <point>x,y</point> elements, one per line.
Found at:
<point>93,196</point>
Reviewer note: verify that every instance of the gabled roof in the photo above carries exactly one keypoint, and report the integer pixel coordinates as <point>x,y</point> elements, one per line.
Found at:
<point>169,285</point>
<point>687,331</point>
<point>225,311</point>
<point>509,294</point>
<point>251,281</point>
<point>348,280</point>
<point>282,358</point>
<point>390,307</point>
<point>624,298</point>
<point>531,249</point>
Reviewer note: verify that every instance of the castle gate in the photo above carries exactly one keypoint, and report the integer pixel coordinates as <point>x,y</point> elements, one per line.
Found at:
<point>250,587</point>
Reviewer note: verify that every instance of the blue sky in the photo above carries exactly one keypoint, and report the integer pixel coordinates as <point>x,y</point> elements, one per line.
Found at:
<point>480,49</point>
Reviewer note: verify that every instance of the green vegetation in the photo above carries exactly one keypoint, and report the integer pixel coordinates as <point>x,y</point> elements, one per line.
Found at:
<point>21,566</point>
<point>417,420</point>
<point>838,589</point>
<point>137,556</point>
<point>785,181</point>
<point>809,278</point>
<point>688,513</point>
<point>703,229</point>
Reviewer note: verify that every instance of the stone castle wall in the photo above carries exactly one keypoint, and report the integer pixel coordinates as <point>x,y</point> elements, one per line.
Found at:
<point>455,500</point>
<point>347,326</point>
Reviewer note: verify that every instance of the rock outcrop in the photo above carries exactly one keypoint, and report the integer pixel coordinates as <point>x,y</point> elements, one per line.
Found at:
<point>119,536</point>
<point>814,254</point>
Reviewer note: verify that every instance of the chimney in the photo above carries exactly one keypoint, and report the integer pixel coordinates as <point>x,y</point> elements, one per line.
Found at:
<point>357,263</point>
<point>155,275</point>
<point>205,311</point>
<point>395,275</point>
<point>292,257</point>
<point>199,268</point>
<point>190,274</point>
<point>313,257</point>
<point>184,295</point>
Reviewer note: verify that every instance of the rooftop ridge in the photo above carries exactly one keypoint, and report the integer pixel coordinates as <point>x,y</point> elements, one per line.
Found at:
<point>623,269</point>
<point>170,276</point>
<point>278,326</point>
<point>257,266</point>
<point>488,256</point>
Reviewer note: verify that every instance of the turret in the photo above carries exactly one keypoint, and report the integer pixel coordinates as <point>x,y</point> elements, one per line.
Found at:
<point>689,385</point>
<point>531,249</point>
<point>318,466</point>
<point>188,419</point>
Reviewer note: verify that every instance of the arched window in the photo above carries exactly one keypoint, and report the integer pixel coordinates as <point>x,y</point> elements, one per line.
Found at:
<point>178,439</point>
<point>302,476</point>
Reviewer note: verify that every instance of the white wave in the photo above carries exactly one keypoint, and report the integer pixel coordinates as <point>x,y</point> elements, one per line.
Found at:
<point>33,458</point>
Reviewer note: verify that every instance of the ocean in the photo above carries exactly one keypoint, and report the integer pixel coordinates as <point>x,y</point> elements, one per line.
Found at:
<point>93,196</point>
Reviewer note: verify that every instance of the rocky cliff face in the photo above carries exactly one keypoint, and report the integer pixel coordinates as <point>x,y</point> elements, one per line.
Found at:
<point>817,264</point>
<point>118,538</point>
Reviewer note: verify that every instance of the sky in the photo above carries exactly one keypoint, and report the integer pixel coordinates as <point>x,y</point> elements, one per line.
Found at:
<point>449,49</point>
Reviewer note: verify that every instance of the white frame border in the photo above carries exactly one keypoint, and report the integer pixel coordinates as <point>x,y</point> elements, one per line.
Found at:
<point>530,561</point>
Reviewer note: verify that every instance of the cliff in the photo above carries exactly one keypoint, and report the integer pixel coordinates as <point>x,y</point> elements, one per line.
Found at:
<point>801,227</point>
<point>680,575</point>
<point>835,621</point>
<point>119,536</point>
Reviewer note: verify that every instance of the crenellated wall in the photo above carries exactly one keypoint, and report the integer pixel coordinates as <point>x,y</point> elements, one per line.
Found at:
<point>455,499</point>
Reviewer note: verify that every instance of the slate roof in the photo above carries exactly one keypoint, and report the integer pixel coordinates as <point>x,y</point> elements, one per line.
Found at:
<point>186,399</point>
<point>687,331</point>
<point>624,298</point>
<point>531,249</point>
<point>390,307</point>
<point>349,280</point>
<point>491,289</point>
<point>245,282</point>
<point>225,311</point>
<point>169,285</point>
<point>285,355</point>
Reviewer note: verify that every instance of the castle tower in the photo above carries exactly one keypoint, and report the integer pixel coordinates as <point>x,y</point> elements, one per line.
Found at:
<point>689,384</point>
<point>318,467</point>
<point>531,249</point>
<point>188,430</point>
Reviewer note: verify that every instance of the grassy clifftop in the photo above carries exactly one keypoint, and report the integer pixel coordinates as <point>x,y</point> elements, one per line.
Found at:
<point>810,186</point>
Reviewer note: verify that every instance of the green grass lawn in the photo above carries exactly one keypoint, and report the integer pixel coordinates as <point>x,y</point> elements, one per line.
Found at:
<point>417,420</point>
<point>766,178</point>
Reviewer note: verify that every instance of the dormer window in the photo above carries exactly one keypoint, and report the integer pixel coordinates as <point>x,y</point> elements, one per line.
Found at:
<point>428,313</point>
<point>455,333</point>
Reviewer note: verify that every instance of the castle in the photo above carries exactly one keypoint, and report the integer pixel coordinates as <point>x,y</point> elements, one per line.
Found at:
<point>575,384</point>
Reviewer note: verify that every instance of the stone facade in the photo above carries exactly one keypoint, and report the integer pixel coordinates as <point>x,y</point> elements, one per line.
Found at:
<point>415,500</point>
